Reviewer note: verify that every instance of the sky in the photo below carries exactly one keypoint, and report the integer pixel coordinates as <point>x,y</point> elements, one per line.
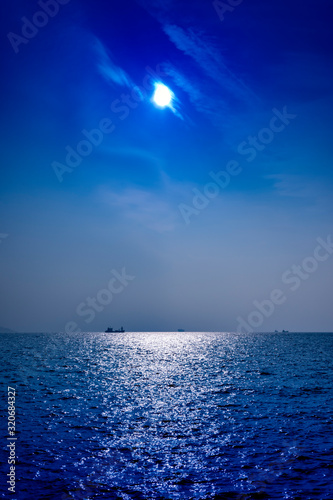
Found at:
<point>213,213</point>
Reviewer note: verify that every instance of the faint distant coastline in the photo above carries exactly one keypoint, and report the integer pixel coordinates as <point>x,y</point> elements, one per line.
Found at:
<point>6,330</point>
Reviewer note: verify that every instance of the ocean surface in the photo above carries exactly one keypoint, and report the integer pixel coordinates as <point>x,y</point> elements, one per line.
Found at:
<point>169,415</point>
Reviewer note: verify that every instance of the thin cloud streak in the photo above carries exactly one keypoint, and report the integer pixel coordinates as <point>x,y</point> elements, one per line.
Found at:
<point>151,210</point>
<point>209,60</point>
<point>109,70</point>
<point>211,86</point>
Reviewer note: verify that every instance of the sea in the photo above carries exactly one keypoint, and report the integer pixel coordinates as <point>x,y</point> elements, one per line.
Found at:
<point>154,416</point>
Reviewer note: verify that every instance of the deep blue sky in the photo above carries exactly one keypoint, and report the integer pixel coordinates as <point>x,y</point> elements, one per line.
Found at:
<point>124,204</point>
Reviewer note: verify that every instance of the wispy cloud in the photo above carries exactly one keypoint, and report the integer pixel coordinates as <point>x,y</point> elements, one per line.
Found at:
<point>290,185</point>
<point>314,191</point>
<point>195,45</point>
<point>157,8</point>
<point>211,85</point>
<point>200,99</point>
<point>108,69</point>
<point>154,207</point>
<point>147,208</point>
<point>3,236</point>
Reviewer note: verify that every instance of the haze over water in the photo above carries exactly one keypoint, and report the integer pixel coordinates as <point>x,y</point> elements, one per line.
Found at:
<point>172,415</point>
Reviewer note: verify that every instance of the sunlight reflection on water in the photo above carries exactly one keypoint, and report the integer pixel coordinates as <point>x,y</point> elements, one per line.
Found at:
<point>173,415</point>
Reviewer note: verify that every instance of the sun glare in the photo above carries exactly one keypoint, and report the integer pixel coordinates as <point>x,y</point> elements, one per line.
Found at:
<point>162,96</point>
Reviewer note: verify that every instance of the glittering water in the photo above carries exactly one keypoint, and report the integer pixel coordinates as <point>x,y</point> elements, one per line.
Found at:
<point>170,415</point>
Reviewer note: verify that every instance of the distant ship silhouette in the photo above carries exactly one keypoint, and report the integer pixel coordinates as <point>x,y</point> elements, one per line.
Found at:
<point>283,331</point>
<point>111,330</point>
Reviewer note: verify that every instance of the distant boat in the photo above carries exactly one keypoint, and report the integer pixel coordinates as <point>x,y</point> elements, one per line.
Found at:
<point>283,331</point>
<point>181,330</point>
<point>111,330</point>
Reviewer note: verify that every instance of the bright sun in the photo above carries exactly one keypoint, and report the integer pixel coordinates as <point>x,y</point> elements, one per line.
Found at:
<point>162,95</point>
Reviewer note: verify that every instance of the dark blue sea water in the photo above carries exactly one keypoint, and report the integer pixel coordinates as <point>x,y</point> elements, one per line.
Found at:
<point>170,415</point>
